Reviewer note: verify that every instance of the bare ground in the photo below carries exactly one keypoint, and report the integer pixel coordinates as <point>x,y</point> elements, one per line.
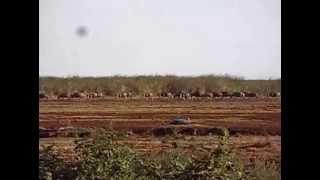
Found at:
<point>254,123</point>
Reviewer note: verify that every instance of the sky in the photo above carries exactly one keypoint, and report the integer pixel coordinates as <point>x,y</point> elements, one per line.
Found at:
<point>180,37</point>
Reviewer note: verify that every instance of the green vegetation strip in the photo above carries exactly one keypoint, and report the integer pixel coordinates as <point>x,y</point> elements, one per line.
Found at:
<point>103,157</point>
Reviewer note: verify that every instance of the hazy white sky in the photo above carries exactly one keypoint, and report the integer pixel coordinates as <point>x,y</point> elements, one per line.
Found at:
<point>182,37</point>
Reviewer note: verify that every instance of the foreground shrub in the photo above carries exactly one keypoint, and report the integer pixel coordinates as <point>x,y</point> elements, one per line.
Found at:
<point>103,157</point>
<point>264,170</point>
<point>49,163</point>
<point>52,166</point>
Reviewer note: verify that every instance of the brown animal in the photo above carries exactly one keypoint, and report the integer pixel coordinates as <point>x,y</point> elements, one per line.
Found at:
<point>123,95</point>
<point>216,94</point>
<point>184,95</point>
<point>238,94</point>
<point>130,94</point>
<point>274,94</point>
<point>63,96</point>
<point>170,95</point>
<point>198,93</point>
<point>187,95</point>
<point>167,94</point>
<point>148,94</point>
<point>92,95</point>
<point>208,95</point>
<point>250,94</point>
<point>100,95</point>
<point>181,95</point>
<point>177,95</point>
<point>163,94</point>
<point>78,95</point>
<point>43,96</point>
<point>226,94</point>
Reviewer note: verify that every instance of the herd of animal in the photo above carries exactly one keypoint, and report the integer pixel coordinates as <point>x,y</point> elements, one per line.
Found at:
<point>71,95</point>
<point>180,95</point>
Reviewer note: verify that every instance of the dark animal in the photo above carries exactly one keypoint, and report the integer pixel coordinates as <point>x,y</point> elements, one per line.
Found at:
<point>170,95</point>
<point>63,96</point>
<point>250,94</point>
<point>92,95</point>
<point>100,95</point>
<point>148,94</point>
<point>238,94</point>
<point>198,93</point>
<point>177,95</point>
<point>208,95</point>
<point>274,94</point>
<point>166,94</point>
<point>43,96</point>
<point>184,95</point>
<point>216,94</point>
<point>78,95</point>
<point>123,95</point>
<point>129,94</point>
<point>226,94</point>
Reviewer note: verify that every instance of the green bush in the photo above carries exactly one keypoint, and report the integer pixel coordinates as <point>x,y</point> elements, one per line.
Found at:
<point>264,170</point>
<point>49,162</point>
<point>103,157</point>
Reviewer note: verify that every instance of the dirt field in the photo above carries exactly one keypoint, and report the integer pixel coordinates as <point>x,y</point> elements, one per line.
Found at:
<point>254,123</point>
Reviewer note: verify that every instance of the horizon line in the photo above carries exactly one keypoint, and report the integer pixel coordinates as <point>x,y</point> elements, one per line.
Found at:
<point>161,75</point>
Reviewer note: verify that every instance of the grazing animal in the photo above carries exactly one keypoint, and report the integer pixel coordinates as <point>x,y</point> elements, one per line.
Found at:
<point>123,95</point>
<point>198,93</point>
<point>194,95</point>
<point>167,94</point>
<point>92,95</point>
<point>176,95</point>
<point>216,94</point>
<point>182,95</point>
<point>78,95</point>
<point>43,96</point>
<point>170,95</point>
<point>63,96</point>
<point>208,95</point>
<point>226,94</point>
<point>148,94</point>
<point>187,95</point>
<point>100,95</point>
<point>250,94</point>
<point>130,94</point>
<point>238,94</point>
<point>274,94</point>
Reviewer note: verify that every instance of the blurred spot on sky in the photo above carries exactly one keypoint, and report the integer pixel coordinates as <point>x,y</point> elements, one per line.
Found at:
<point>82,31</point>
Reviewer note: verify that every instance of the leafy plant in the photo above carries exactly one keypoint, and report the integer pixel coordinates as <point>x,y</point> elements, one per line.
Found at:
<point>103,157</point>
<point>49,162</point>
<point>264,170</point>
